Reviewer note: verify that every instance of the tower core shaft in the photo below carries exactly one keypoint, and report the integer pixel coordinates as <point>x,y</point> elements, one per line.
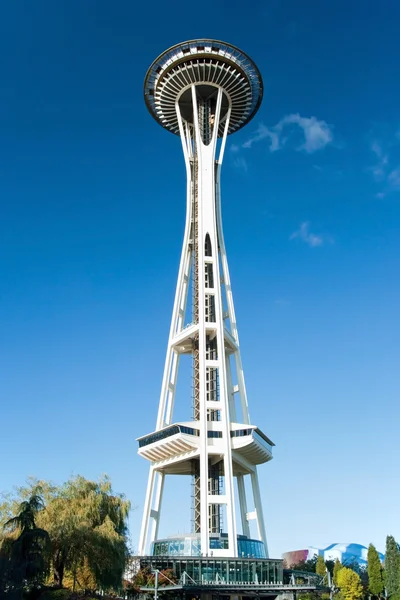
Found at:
<point>204,90</point>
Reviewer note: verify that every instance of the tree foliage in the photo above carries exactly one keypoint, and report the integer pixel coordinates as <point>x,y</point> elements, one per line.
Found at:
<point>24,548</point>
<point>375,572</point>
<point>330,565</point>
<point>349,583</point>
<point>392,567</point>
<point>87,527</point>
<point>337,566</point>
<point>320,566</point>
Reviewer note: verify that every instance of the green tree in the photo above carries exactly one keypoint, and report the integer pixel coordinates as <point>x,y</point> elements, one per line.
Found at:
<point>338,565</point>
<point>320,566</point>
<point>25,548</point>
<point>349,583</point>
<point>330,565</point>
<point>87,525</point>
<point>392,567</point>
<point>375,572</point>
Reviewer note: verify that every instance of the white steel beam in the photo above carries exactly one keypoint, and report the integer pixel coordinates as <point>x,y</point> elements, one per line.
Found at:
<point>243,505</point>
<point>259,512</point>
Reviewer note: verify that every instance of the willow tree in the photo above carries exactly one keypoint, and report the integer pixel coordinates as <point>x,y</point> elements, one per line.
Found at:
<point>87,525</point>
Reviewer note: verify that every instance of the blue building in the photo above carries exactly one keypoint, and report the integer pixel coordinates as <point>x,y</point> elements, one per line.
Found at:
<point>349,553</point>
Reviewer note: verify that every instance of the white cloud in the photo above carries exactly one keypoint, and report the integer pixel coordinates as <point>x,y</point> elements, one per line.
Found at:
<point>240,163</point>
<point>379,169</point>
<point>317,133</point>
<point>262,133</point>
<point>382,170</point>
<point>394,179</point>
<point>306,236</point>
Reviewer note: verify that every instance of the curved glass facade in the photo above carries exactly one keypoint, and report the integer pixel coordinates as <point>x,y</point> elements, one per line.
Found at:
<point>167,432</point>
<point>221,572</point>
<point>176,428</point>
<point>190,546</point>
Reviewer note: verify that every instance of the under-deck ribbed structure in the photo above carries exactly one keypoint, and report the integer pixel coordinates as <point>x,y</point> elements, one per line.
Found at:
<point>203,63</point>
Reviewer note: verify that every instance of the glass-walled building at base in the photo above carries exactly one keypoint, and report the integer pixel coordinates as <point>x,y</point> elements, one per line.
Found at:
<point>189,545</point>
<point>206,571</point>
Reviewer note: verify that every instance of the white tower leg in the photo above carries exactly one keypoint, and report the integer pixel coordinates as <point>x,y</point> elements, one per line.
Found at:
<point>259,511</point>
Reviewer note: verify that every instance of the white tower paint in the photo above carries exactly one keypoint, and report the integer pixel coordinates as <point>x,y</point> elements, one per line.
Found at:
<point>204,90</point>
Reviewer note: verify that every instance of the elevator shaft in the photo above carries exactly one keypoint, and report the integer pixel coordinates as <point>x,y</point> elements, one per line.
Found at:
<point>206,116</point>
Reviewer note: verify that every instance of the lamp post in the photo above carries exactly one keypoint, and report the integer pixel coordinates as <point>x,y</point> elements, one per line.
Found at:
<point>156,573</point>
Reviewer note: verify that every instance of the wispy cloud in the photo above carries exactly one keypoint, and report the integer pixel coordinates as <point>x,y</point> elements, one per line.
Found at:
<point>394,179</point>
<point>317,134</point>
<point>263,133</point>
<point>384,169</point>
<point>379,168</point>
<point>308,237</point>
<point>239,162</point>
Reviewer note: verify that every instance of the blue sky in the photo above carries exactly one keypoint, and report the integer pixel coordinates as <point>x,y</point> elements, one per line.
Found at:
<point>92,195</point>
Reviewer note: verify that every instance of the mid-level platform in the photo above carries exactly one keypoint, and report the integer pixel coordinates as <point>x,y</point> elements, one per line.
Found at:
<point>174,447</point>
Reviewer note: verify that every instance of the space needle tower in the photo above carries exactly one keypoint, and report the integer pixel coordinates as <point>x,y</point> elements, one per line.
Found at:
<point>204,90</point>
